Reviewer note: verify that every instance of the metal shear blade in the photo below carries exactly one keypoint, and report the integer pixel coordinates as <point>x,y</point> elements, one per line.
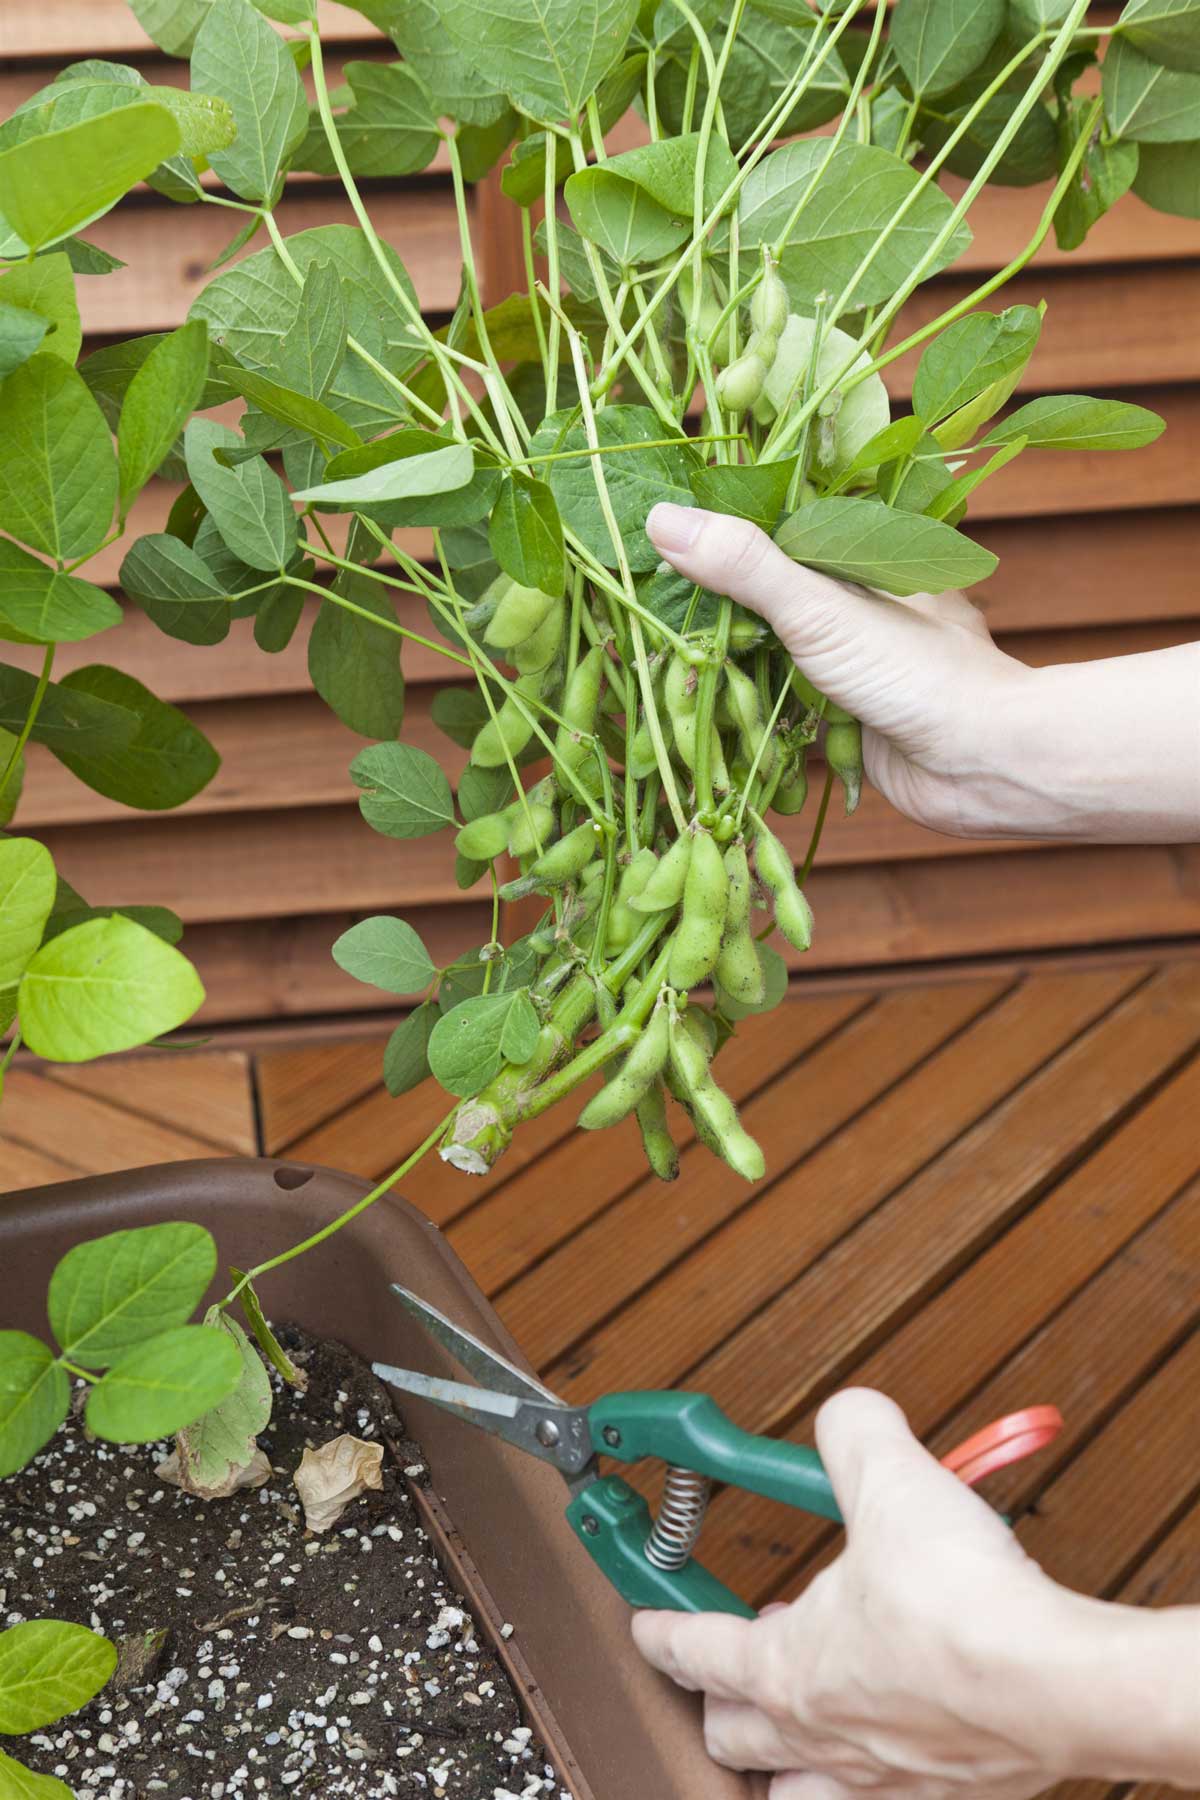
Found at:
<point>510,1404</point>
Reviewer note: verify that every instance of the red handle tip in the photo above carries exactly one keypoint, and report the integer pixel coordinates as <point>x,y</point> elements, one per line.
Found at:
<point>1004,1441</point>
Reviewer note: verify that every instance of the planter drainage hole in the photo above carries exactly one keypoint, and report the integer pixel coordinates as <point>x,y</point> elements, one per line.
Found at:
<point>292,1178</point>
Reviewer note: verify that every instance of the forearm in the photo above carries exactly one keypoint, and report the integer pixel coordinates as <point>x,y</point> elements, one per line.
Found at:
<point>1122,1687</point>
<point>1101,752</point>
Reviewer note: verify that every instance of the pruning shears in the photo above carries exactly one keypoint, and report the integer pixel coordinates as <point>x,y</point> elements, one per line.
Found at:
<point>648,1558</point>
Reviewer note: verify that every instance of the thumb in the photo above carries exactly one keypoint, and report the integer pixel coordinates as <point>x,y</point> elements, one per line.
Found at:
<point>855,646</point>
<point>864,1441</point>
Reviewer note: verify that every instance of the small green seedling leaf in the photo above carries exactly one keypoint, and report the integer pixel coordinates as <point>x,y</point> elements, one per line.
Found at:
<point>47,287</point>
<point>27,887</point>
<point>898,552</point>
<point>113,1292</point>
<point>158,403</point>
<point>1077,422</point>
<point>21,334</point>
<point>163,1385</point>
<point>385,953</point>
<point>406,1053</point>
<point>268,1343</point>
<point>19,1783</point>
<point>220,1446</point>
<point>49,1668</point>
<point>104,986</point>
<point>406,793</point>
<point>35,1395</point>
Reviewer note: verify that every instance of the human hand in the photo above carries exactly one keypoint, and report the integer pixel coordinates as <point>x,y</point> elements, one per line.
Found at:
<point>923,675</point>
<point>932,1659</point>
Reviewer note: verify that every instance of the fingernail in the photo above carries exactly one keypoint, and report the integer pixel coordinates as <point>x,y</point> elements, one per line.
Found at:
<point>673,528</point>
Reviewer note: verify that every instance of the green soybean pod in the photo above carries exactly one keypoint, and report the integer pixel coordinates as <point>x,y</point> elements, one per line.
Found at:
<point>563,861</point>
<point>844,755</point>
<point>769,303</point>
<point>738,968</point>
<point>643,1065</point>
<point>814,698</point>
<point>623,921</point>
<point>743,703</point>
<point>793,914</point>
<point>531,826</point>
<point>579,707</point>
<point>506,735</point>
<point>484,838</point>
<point>539,650</point>
<point>713,1112</point>
<point>741,384</point>
<point>664,888</point>
<point>679,690</point>
<point>697,941</point>
<point>789,797</point>
<point>657,1142</point>
<point>519,613</point>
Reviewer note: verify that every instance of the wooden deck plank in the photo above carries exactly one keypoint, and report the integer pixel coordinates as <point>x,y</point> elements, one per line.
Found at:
<point>1071,1306</point>
<point>744,1274</point>
<point>102,1137</point>
<point>566,1298</point>
<point>211,1092</point>
<point>299,1089</point>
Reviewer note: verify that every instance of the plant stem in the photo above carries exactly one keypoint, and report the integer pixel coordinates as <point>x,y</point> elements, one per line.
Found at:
<point>74,1369</point>
<point>352,1212</point>
<point>818,828</point>
<point>35,707</point>
<point>362,612</point>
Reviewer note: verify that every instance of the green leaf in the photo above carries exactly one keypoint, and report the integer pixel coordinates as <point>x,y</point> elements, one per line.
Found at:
<point>249,504</point>
<point>459,712</point>
<point>177,589</point>
<point>254,305</point>
<point>27,887</point>
<point>949,502</point>
<point>10,799</point>
<point>311,352</point>
<point>167,761</point>
<point>40,605</point>
<point>104,986</point>
<point>767,51</point>
<point>1029,157</point>
<point>70,722</point>
<point>857,192</point>
<point>636,478</point>
<point>482,791</point>
<point>164,1384</point>
<point>292,408</point>
<point>267,1342</point>
<point>469,1044</point>
<point>389,130</point>
<point>1168,179</point>
<point>239,58</point>
<point>897,552</point>
<point>49,1668</point>
<point>913,481</point>
<point>1036,15</point>
<point>971,356</point>
<point>58,472</point>
<point>1106,173</point>
<point>1077,422</point>
<point>525,48</point>
<point>385,953</point>
<point>459,90</point>
<point>19,1783</point>
<point>1144,101</point>
<point>47,287</point>
<point>406,1053</point>
<point>433,472</point>
<point>57,181</point>
<point>158,403</point>
<point>109,1293</point>
<point>21,334</point>
<point>34,1396</point>
<point>354,664</point>
<point>223,1440</point>
<point>89,259</point>
<point>938,43</point>
<point>1166,30</point>
<point>525,534</point>
<point>405,791</point>
<point>638,206</point>
<point>754,491</point>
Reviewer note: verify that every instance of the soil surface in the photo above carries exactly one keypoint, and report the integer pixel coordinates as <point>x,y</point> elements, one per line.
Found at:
<point>257,1657</point>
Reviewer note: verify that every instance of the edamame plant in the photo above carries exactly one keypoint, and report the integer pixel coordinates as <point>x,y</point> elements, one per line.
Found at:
<point>707,318</point>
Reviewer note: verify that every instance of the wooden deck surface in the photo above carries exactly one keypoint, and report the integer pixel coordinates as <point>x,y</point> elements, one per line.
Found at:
<point>982,1193</point>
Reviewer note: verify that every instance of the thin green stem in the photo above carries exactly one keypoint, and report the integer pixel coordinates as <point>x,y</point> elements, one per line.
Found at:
<point>352,1212</point>
<point>818,828</point>
<point>362,612</point>
<point>74,1369</point>
<point>35,707</point>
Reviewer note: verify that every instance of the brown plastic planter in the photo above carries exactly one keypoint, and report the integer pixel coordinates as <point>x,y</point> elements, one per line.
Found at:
<point>618,1731</point>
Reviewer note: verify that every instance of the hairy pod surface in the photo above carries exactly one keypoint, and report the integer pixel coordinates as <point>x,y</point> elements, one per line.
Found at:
<point>623,921</point>
<point>664,888</point>
<point>531,827</point>
<point>520,612</point>
<point>657,1142</point>
<point>504,737</point>
<point>793,914</point>
<point>539,650</point>
<point>643,1065</point>
<point>484,838</point>
<point>579,709</point>
<point>769,303</point>
<point>697,941</point>
<point>844,754</point>
<point>563,861</point>
<point>714,1113</point>
<point>789,797</point>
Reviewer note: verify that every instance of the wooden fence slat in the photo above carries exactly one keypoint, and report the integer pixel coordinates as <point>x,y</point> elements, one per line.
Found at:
<point>745,1248</point>
<point>1088,1302</point>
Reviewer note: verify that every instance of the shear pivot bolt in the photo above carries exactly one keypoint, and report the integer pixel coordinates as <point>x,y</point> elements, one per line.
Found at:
<point>590,1523</point>
<point>547,1433</point>
<point>612,1437</point>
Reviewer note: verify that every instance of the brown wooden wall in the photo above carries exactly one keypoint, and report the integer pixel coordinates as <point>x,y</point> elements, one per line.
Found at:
<point>1099,556</point>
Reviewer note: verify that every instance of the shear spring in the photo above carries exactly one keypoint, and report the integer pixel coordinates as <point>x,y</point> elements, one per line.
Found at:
<point>677,1527</point>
